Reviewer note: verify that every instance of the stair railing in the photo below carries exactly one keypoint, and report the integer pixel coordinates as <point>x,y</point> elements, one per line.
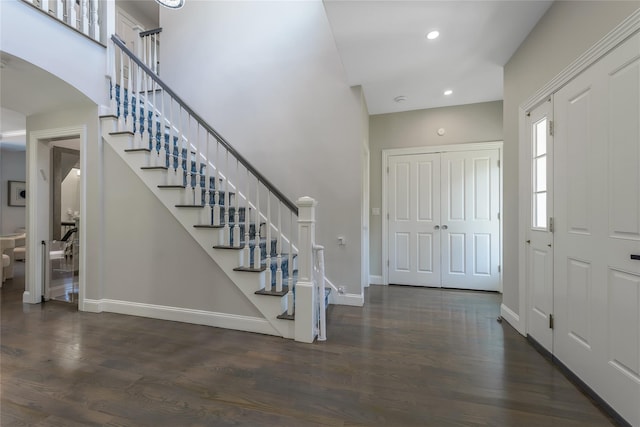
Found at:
<point>81,15</point>
<point>150,49</point>
<point>237,195</point>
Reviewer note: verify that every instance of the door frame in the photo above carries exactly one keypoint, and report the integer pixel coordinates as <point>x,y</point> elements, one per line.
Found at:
<point>433,149</point>
<point>38,208</point>
<point>626,29</point>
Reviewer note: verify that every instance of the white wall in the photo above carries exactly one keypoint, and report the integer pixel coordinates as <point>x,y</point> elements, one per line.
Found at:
<point>268,77</point>
<point>46,43</point>
<point>465,123</point>
<point>565,32</point>
<point>12,168</point>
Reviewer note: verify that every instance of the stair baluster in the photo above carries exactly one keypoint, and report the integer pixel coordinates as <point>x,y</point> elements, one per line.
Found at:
<point>246,259</point>
<point>226,231</point>
<point>279,252</point>
<point>84,14</point>
<point>95,23</point>
<point>269,273</point>
<point>163,149</point>
<point>236,214</point>
<point>128,102</point>
<point>199,191</point>
<point>216,186</point>
<point>257,251</point>
<point>120,94</point>
<point>290,307</point>
<point>189,163</point>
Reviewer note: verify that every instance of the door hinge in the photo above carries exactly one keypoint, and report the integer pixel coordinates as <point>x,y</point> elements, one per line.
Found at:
<point>499,269</point>
<point>498,215</point>
<point>387,263</point>
<point>387,169</point>
<point>498,163</point>
<point>387,216</point>
<point>551,224</point>
<point>551,321</point>
<point>551,127</point>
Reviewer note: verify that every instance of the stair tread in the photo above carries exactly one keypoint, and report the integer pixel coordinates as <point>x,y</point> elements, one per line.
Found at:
<point>228,247</point>
<point>231,224</point>
<point>286,316</point>
<point>121,132</point>
<point>151,168</point>
<point>137,150</point>
<point>171,186</point>
<point>108,116</point>
<point>191,206</point>
<point>274,293</point>
<point>251,269</point>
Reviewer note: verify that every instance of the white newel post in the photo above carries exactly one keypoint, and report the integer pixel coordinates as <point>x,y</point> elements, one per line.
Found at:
<point>305,296</point>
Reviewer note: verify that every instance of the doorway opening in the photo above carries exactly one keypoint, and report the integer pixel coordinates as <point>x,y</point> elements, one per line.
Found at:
<point>56,200</point>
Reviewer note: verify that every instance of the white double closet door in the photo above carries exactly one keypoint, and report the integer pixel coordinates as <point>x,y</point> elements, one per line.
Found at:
<point>443,219</point>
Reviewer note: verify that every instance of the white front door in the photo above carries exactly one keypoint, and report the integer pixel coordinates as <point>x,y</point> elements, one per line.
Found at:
<point>597,201</point>
<point>540,237</point>
<point>470,228</point>
<point>414,218</point>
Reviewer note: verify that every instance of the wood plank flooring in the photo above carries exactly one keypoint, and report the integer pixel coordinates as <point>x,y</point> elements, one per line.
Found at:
<point>410,357</point>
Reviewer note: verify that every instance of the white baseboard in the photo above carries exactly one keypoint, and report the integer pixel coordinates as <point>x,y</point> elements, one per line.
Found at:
<point>355,300</point>
<point>376,280</point>
<point>511,317</point>
<point>186,315</point>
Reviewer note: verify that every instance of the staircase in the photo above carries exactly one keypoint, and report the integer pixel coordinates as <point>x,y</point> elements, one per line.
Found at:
<point>262,241</point>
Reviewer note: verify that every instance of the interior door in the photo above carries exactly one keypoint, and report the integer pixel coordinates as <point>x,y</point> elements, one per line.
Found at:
<point>597,293</point>
<point>414,218</point>
<point>540,237</point>
<point>470,229</point>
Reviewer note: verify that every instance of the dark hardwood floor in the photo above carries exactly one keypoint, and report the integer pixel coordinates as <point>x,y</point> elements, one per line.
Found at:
<point>410,357</point>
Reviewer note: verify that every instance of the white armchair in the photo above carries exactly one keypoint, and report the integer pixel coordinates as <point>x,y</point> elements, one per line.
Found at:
<point>7,244</point>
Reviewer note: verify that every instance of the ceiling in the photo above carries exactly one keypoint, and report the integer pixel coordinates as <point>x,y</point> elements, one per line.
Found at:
<point>383,48</point>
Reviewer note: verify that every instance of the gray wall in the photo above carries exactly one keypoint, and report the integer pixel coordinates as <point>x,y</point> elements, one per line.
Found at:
<point>267,76</point>
<point>465,123</point>
<point>564,33</point>
<point>150,258</point>
<point>13,164</point>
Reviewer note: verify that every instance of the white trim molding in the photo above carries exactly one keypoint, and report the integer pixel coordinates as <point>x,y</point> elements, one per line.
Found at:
<point>376,280</point>
<point>428,149</point>
<point>186,315</point>
<point>354,300</point>
<point>510,316</point>
<point>619,34</point>
<point>33,283</point>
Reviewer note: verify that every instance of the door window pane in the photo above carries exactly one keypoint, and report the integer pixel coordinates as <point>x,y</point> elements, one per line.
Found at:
<point>541,174</point>
<point>541,138</point>
<point>540,214</point>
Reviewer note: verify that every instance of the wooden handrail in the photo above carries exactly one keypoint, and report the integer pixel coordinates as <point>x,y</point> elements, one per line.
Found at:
<point>244,162</point>
<point>151,32</point>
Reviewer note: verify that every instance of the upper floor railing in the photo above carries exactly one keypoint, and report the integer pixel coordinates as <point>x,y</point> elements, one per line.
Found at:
<point>85,16</point>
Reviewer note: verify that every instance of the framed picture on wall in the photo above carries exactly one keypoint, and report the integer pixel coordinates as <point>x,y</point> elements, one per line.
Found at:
<point>17,193</point>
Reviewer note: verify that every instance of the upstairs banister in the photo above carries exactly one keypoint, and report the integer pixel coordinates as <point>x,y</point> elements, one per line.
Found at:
<point>201,122</point>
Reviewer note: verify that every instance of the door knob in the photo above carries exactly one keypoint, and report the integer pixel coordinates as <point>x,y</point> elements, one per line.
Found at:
<point>444,227</point>
<point>436,227</point>
<point>636,257</point>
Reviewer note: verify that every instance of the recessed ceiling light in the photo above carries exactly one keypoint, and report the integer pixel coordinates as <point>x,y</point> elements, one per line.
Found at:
<point>433,35</point>
<point>448,92</point>
<point>400,98</point>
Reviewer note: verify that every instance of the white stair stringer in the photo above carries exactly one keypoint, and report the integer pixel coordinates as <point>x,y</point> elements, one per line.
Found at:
<point>227,259</point>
